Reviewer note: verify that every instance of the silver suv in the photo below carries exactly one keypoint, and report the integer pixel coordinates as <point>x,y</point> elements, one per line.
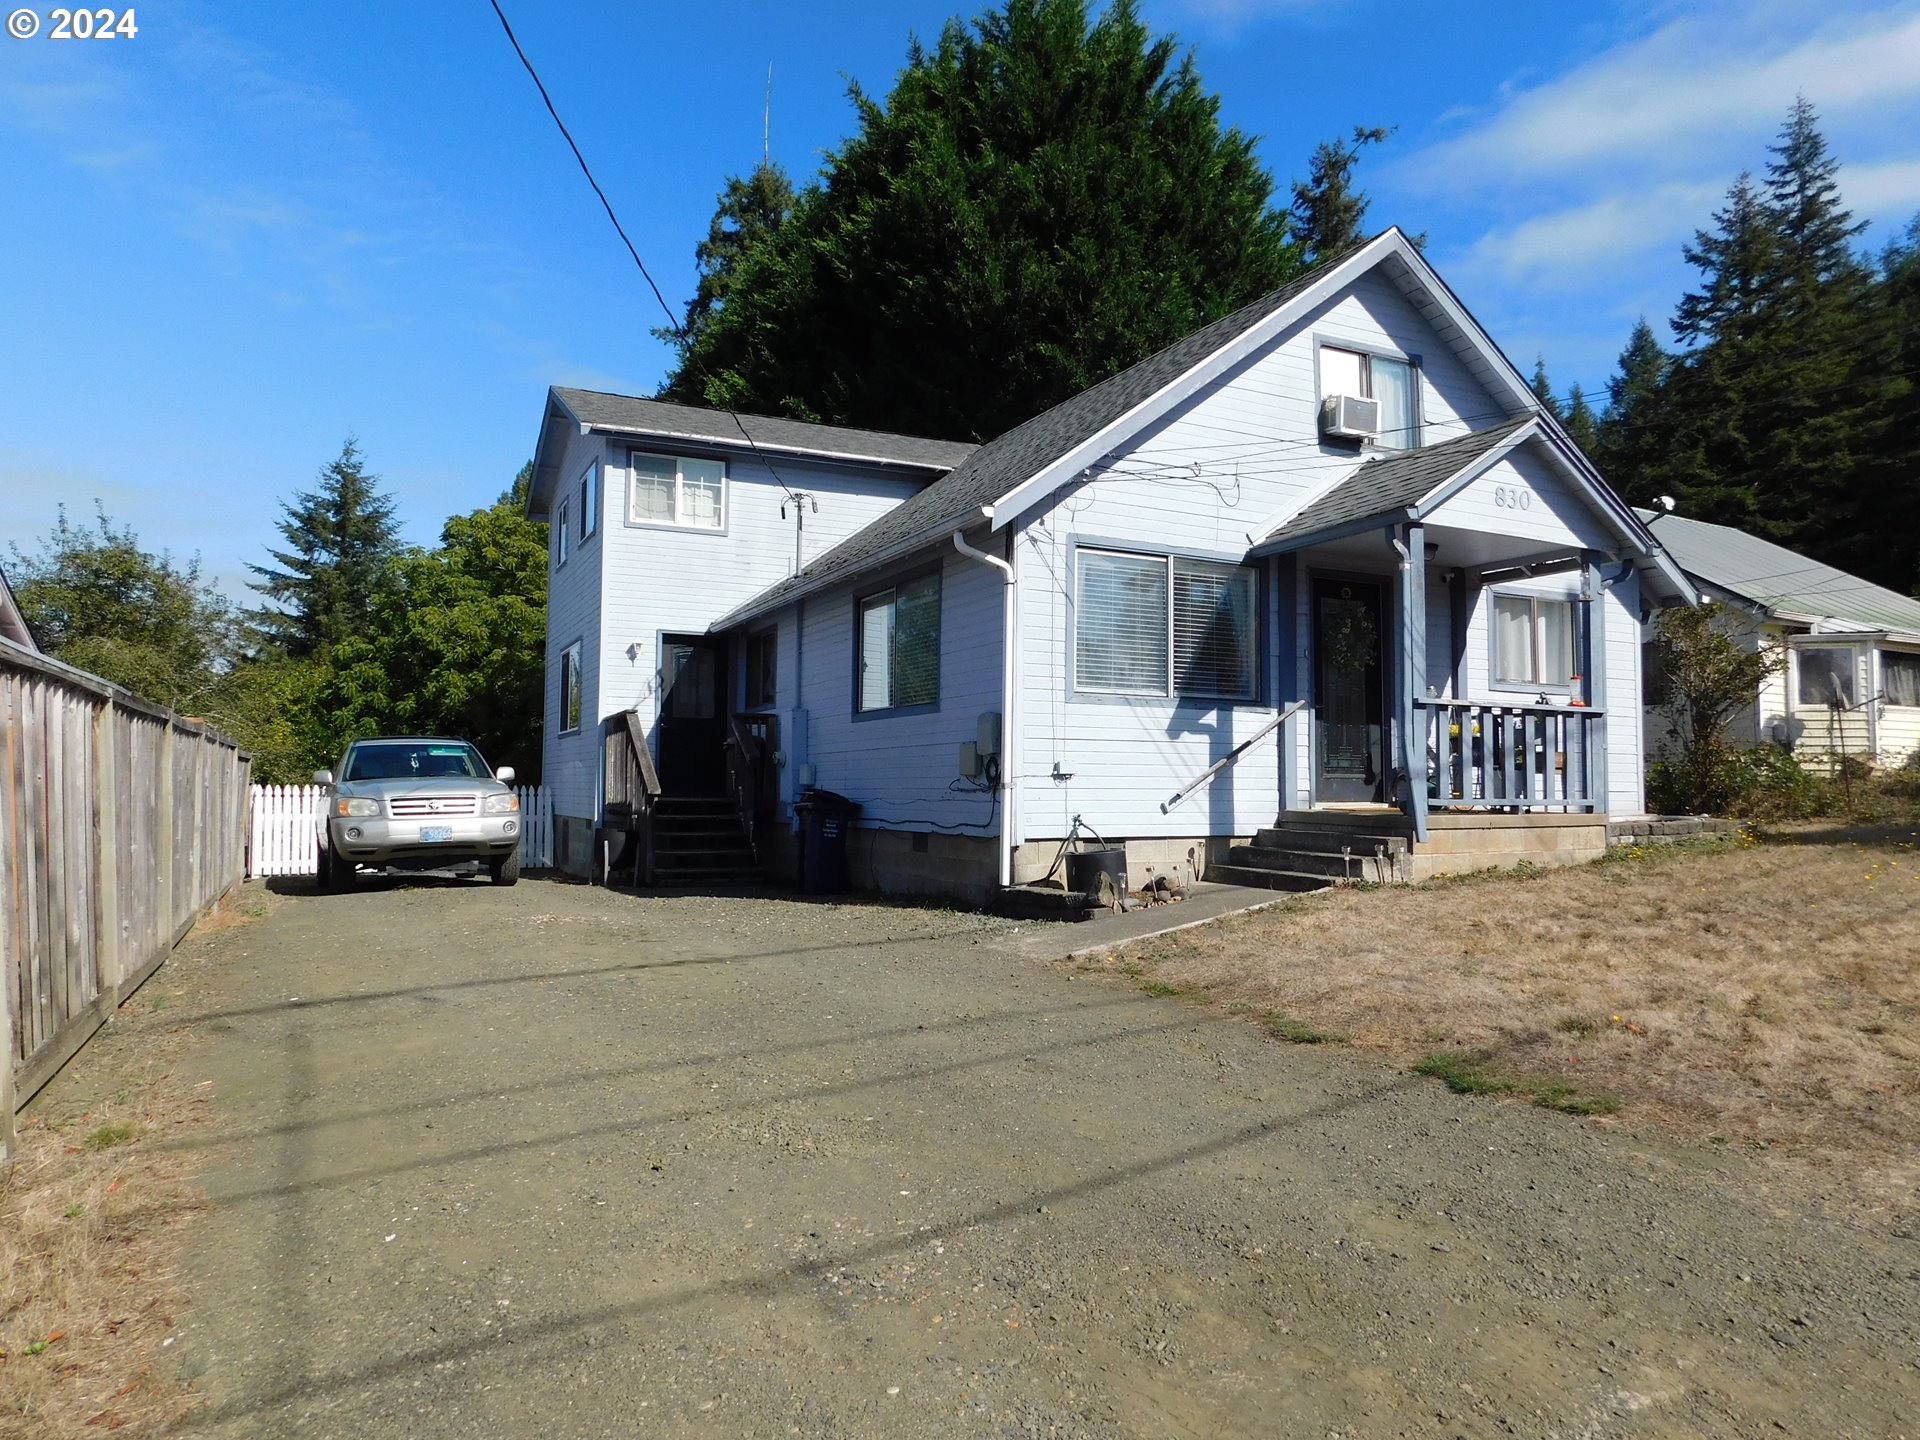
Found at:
<point>418,803</point>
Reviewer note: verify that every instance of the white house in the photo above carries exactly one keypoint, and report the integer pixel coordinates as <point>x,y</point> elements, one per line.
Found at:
<point>1324,567</point>
<point>1851,683</point>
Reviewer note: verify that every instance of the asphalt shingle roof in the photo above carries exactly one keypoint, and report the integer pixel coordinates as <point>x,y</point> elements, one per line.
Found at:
<point>717,427</point>
<point>1014,458</point>
<point>1396,482</point>
<point>1779,578</point>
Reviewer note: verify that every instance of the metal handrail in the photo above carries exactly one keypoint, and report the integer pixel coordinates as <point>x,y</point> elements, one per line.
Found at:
<point>1232,755</point>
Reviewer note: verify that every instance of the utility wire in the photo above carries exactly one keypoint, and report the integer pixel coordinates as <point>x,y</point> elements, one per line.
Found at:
<point>679,328</point>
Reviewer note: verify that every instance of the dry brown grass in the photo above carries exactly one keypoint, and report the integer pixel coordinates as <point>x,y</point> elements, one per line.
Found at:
<point>1762,994</point>
<point>92,1218</point>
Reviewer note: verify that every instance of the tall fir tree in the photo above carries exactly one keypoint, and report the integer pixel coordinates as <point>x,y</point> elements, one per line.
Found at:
<point>1582,425</point>
<point>1543,389</point>
<point>1327,212</point>
<point>1630,445</point>
<point>748,211</point>
<point>1042,199</point>
<point>341,535</point>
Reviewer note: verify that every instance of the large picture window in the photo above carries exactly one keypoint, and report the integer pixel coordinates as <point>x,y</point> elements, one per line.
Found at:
<point>1826,675</point>
<point>898,642</point>
<point>1532,641</point>
<point>1377,377</point>
<point>1900,677</point>
<point>677,490</point>
<point>570,688</point>
<point>1160,625</point>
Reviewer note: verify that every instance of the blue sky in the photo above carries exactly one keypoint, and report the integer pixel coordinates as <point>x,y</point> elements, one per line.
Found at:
<point>251,229</point>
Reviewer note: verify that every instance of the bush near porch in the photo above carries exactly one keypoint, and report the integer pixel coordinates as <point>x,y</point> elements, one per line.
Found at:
<point>1762,993</point>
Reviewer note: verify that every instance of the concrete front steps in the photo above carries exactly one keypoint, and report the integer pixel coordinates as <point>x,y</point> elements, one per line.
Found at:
<point>698,841</point>
<point>1312,849</point>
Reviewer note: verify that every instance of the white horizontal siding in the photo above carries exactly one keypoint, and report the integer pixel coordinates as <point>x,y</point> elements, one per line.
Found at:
<point>1521,496</point>
<point>899,767</point>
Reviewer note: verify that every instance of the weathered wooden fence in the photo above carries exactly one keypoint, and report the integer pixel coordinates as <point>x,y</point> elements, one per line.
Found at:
<point>286,828</point>
<point>120,825</point>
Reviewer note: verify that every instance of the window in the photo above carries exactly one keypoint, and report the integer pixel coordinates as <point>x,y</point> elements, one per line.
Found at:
<point>1532,641</point>
<point>677,490</point>
<point>412,759</point>
<point>590,501</point>
<point>560,533</point>
<point>762,650</point>
<point>1156,625</point>
<point>1900,677</point>
<point>570,688</point>
<point>899,645</point>
<point>1376,377</point>
<point>1825,674</point>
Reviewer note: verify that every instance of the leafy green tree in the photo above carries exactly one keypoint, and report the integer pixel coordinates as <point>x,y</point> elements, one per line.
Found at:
<point>340,536</point>
<point>97,600</point>
<point>1704,670</point>
<point>749,211</point>
<point>1041,200</point>
<point>456,643</point>
<point>1327,212</point>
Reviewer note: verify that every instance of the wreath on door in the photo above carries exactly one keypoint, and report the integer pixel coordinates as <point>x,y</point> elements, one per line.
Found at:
<point>1352,641</point>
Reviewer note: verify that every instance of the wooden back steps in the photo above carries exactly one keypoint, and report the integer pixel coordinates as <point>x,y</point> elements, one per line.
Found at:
<point>701,842</point>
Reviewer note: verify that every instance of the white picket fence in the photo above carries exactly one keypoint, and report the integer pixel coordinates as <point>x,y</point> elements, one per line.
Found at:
<point>286,828</point>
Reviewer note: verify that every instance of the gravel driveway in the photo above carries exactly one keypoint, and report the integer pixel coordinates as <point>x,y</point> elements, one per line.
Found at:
<point>553,1162</point>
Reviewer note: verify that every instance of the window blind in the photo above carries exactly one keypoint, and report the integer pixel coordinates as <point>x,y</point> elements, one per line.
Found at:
<point>1120,626</point>
<point>1213,630</point>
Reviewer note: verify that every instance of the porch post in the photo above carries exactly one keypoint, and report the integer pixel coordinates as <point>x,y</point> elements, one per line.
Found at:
<point>1412,680</point>
<point>1593,628</point>
<point>1286,647</point>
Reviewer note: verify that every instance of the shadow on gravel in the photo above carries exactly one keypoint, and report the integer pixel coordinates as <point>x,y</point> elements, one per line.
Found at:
<point>758,1283</point>
<point>603,1074</point>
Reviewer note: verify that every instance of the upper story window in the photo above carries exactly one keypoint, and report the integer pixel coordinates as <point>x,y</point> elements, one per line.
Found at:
<point>1532,641</point>
<point>1826,675</point>
<point>561,534</point>
<point>590,501</point>
<point>898,639</point>
<point>1900,677</point>
<point>1162,625</point>
<point>677,490</point>
<point>1382,378</point>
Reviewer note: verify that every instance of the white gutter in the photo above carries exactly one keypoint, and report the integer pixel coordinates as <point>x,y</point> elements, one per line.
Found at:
<point>1009,730</point>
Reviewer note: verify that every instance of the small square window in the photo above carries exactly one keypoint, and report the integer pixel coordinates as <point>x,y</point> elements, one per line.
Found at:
<point>677,490</point>
<point>1826,675</point>
<point>1900,678</point>
<point>1532,641</point>
<point>1376,377</point>
<point>898,637</point>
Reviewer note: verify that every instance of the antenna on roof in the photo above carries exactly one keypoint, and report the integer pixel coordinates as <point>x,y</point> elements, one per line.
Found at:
<point>1665,504</point>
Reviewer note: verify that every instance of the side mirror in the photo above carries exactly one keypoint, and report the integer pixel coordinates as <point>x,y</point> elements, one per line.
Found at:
<point>504,774</point>
<point>323,777</point>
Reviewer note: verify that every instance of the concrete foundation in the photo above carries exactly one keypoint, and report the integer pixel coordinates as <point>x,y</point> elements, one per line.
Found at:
<point>1181,859</point>
<point>1459,843</point>
<point>962,868</point>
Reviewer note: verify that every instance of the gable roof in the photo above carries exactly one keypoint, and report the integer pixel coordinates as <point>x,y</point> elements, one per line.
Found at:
<point>1397,483</point>
<point>1780,580</point>
<point>13,625</point>
<point>692,424</point>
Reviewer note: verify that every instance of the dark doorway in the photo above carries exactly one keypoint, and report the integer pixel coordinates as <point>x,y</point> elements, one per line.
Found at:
<point>693,715</point>
<point>1349,712</point>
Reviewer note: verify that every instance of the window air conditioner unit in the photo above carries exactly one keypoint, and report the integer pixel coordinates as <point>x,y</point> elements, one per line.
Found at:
<point>1349,417</point>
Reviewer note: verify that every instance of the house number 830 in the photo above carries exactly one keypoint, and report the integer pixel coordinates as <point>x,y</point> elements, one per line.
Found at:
<point>1512,497</point>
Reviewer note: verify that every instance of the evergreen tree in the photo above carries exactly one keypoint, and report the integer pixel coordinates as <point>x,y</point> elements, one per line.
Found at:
<point>1543,388</point>
<point>1582,425</point>
<point>341,536</point>
<point>1041,200</point>
<point>1327,211</point>
<point>1738,261</point>
<point>748,212</point>
<point>1630,446</point>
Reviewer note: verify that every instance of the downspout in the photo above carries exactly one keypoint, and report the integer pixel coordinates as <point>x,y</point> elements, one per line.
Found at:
<point>1009,731</point>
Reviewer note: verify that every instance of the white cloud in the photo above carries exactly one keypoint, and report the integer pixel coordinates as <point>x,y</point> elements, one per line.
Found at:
<point>1561,247</point>
<point>1888,191</point>
<point>1660,101</point>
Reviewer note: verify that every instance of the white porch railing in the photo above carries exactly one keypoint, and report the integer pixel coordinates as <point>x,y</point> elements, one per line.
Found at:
<point>286,828</point>
<point>1522,757</point>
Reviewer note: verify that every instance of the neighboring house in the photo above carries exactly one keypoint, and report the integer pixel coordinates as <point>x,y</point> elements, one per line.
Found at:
<point>1851,683</point>
<point>13,625</point>
<point>1324,566</point>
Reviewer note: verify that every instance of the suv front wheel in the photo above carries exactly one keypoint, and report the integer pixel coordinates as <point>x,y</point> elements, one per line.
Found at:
<point>505,871</point>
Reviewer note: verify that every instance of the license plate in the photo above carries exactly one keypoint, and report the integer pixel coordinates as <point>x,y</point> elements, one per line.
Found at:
<point>436,832</point>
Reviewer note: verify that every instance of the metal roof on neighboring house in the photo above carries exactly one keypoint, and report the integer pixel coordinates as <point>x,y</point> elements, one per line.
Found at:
<point>1782,580</point>
<point>1396,483</point>
<point>770,432</point>
<point>1004,464</point>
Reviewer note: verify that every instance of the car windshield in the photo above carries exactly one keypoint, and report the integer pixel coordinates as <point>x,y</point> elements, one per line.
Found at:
<point>414,760</point>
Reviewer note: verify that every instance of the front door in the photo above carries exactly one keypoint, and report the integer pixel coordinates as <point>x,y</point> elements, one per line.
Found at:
<point>1349,712</point>
<point>693,716</point>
